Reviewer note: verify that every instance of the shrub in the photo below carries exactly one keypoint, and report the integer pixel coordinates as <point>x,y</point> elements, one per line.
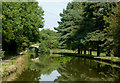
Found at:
<point>43,49</point>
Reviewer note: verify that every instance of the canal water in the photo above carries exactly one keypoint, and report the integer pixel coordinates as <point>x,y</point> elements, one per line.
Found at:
<point>69,69</point>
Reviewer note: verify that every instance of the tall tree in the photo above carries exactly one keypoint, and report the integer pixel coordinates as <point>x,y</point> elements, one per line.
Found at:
<point>20,24</point>
<point>115,28</point>
<point>69,22</point>
<point>0,25</point>
<point>95,23</point>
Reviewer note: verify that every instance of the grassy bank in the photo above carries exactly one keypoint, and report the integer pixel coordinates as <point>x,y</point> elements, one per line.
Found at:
<point>62,51</point>
<point>94,53</point>
<point>52,51</point>
<point>57,52</point>
<point>116,59</point>
<point>11,69</point>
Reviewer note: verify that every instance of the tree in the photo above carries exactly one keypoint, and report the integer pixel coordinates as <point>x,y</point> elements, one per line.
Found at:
<point>69,22</point>
<point>20,24</point>
<point>50,38</point>
<point>94,23</point>
<point>81,20</point>
<point>96,39</point>
<point>115,28</point>
<point>0,25</point>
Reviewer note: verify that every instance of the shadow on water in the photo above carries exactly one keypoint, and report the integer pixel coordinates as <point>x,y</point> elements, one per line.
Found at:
<point>69,69</point>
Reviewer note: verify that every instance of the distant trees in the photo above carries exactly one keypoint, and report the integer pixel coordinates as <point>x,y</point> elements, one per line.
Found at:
<point>49,38</point>
<point>20,23</point>
<point>85,25</point>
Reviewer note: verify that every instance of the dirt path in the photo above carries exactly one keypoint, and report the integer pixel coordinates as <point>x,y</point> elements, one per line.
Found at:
<point>5,61</point>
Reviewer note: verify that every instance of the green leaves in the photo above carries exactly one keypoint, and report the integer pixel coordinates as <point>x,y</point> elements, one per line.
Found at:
<point>21,23</point>
<point>86,25</point>
<point>69,23</point>
<point>115,28</point>
<point>49,38</point>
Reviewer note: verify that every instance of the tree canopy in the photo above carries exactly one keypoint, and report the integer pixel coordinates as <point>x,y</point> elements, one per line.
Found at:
<point>20,24</point>
<point>85,25</point>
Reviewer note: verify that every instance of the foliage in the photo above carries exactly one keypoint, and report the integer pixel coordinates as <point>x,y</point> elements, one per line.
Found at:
<point>43,48</point>
<point>20,23</point>
<point>14,67</point>
<point>50,38</point>
<point>69,23</point>
<point>115,28</point>
<point>1,53</point>
<point>85,25</point>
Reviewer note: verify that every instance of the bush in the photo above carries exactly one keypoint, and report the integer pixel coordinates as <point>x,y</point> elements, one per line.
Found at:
<point>43,49</point>
<point>2,53</point>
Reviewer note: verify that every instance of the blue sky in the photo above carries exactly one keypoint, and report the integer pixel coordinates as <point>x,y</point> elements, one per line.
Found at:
<point>52,10</point>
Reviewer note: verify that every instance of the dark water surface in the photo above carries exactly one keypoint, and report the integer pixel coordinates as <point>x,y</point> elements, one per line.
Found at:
<point>69,69</point>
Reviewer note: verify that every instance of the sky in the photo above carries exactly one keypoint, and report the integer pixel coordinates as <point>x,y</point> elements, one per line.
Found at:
<point>52,9</point>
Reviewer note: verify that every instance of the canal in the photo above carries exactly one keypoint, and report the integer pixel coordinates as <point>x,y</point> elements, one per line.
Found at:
<point>69,69</point>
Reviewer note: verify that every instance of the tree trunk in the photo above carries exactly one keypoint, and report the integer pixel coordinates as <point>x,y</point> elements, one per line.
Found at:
<point>90,51</point>
<point>84,51</point>
<point>78,50</point>
<point>98,50</point>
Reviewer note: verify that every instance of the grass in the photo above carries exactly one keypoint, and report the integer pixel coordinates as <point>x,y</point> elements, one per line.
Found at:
<point>52,51</point>
<point>110,58</point>
<point>62,50</point>
<point>94,54</point>
<point>16,67</point>
<point>13,66</point>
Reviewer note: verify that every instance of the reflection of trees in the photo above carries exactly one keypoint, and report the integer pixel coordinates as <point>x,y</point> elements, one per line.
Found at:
<point>80,69</point>
<point>71,69</point>
<point>50,64</point>
<point>33,73</point>
<point>108,72</point>
<point>29,75</point>
<point>45,65</point>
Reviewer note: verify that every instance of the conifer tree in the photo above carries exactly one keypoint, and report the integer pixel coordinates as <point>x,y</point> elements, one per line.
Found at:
<point>115,28</point>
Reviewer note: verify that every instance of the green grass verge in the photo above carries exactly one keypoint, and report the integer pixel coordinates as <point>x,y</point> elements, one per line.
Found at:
<point>62,50</point>
<point>94,54</point>
<point>115,59</point>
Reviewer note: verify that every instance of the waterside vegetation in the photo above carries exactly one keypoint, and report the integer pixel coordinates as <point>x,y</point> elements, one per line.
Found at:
<point>86,29</point>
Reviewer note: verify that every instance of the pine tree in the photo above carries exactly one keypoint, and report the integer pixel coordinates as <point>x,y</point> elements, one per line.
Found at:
<point>95,13</point>
<point>115,28</point>
<point>69,22</point>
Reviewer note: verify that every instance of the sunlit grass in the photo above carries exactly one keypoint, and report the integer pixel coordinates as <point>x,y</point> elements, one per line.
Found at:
<point>110,58</point>
<point>94,54</point>
<point>62,50</point>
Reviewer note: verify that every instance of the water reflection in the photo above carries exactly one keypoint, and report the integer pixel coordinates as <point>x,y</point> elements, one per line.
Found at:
<point>80,69</point>
<point>54,75</point>
<point>69,69</point>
